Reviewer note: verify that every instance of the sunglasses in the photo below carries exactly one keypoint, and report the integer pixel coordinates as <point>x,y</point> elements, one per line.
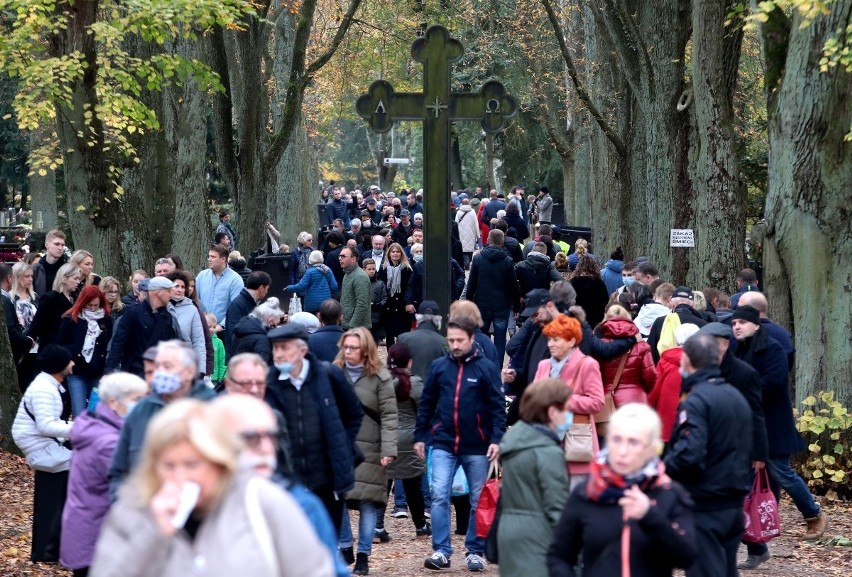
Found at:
<point>253,439</point>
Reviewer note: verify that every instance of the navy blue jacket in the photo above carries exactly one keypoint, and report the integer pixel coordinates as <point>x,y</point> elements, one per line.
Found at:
<point>323,343</point>
<point>767,357</point>
<point>239,308</point>
<point>250,337</point>
<point>709,451</point>
<point>492,283</point>
<point>340,416</point>
<point>140,328</point>
<point>462,405</point>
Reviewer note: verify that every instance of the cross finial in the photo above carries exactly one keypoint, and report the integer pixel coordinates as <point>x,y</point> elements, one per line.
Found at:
<point>436,107</point>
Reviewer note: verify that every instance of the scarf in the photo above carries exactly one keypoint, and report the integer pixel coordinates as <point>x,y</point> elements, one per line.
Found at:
<point>605,486</point>
<point>394,279</point>
<point>93,331</point>
<point>546,431</point>
<point>353,371</point>
<point>557,366</point>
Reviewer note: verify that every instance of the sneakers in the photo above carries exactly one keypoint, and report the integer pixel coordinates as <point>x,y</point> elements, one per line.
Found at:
<point>437,560</point>
<point>427,513</point>
<point>362,565</point>
<point>424,531</point>
<point>400,512</point>
<point>348,555</point>
<point>381,536</point>
<point>754,561</point>
<point>475,563</point>
<point>816,527</point>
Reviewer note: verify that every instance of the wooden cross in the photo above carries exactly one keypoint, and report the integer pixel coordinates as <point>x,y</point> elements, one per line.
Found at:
<point>437,106</point>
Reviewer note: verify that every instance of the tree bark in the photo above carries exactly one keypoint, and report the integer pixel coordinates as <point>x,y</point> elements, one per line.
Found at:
<point>45,208</point>
<point>10,395</point>
<point>808,243</point>
<point>714,170</point>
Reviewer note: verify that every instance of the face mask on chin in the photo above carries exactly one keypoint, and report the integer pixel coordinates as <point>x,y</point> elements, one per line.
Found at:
<point>284,368</point>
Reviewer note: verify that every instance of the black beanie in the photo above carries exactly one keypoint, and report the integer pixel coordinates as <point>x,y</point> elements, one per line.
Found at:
<point>746,313</point>
<point>53,359</point>
<point>617,254</point>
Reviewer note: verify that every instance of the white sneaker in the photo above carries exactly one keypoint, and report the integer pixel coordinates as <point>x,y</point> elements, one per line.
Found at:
<point>475,563</point>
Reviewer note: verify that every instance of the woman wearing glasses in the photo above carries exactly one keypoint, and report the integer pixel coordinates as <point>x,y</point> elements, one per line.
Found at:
<point>112,291</point>
<point>85,332</point>
<point>377,439</point>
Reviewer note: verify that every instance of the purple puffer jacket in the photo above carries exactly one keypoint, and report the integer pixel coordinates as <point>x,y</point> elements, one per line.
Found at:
<point>94,439</point>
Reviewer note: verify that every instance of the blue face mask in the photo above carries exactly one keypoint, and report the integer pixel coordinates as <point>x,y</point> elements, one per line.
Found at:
<point>165,383</point>
<point>417,257</point>
<point>563,427</point>
<point>628,280</point>
<point>683,373</point>
<point>284,368</point>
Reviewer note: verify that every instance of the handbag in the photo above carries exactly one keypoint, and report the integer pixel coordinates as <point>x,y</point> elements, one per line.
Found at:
<point>486,507</point>
<point>762,520</point>
<point>579,445</point>
<point>603,415</point>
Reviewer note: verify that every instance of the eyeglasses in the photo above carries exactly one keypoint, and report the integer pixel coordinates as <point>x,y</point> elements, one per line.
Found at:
<point>248,385</point>
<point>111,292</point>
<point>351,347</point>
<point>253,439</point>
<point>344,256</point>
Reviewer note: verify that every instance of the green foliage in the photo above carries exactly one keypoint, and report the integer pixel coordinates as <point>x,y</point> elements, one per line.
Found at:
<point>50,78</point>
<point>826,426</point>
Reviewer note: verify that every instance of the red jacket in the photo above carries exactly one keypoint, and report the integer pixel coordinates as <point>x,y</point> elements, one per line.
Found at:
<point>484,228</point>
<point>666,394</point>
<point>639,374</point>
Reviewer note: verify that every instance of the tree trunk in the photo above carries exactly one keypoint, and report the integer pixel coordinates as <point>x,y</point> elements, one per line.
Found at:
<point>714,171</point>
<point>456,178</point>
<point>42,194</point>
<point>808,246</point>
<point>10,395</point>
<point>490,181</point>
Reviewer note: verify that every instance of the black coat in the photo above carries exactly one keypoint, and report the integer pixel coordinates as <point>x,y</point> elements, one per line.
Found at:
<point>48,318</point>
<point>492,283</point>
<point>710,447</point>
<point>21,344</point>
<point>140,328</point>
<point>536,272</point>
<point>239,308</point>
<point>592,296</point>
<point>250,337</point>
<point>426,344</point>
<point>686,313</point>
<point>72,336</point>
<point>332,261</point>
<point>663,539</point>
<point>768,358</point>
<point>747,381</point>
<point>518,223</point>
<point>513,247</point>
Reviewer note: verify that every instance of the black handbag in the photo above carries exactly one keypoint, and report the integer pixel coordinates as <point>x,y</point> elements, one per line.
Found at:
<point>491,552</point>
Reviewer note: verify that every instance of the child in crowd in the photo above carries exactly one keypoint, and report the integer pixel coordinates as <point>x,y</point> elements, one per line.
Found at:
<point>219,366</point>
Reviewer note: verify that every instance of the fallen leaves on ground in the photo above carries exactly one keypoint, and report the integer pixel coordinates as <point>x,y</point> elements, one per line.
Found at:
<point>404,555</point>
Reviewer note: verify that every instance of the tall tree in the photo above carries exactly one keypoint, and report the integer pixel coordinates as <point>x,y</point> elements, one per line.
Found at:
<point>808,242</point>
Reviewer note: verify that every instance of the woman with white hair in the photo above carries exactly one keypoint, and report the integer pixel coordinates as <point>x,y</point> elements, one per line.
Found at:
<point>317,284</point>
<point>629,509</point>
<point>94,436</point>
<point>250,332</point>
<point>186,510</point>
<point>299,258</point>
<point>665,395</point>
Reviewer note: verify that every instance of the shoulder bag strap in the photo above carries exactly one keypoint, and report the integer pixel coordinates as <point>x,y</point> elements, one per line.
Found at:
<point>259,526</point>
<point>620,370</point>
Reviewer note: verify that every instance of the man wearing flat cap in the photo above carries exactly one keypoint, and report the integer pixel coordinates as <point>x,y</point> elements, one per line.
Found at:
<point>323,416</point>
<point>426,341</point>
<point>681,304</point>
<point>767,357</point>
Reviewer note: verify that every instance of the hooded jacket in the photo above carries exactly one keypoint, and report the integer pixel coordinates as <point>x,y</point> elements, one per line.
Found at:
<point>250,337</point>
<point>686,313</point>
<point>462,405</point>
<point>493,271</point>
<point>536,271</point>
<point>94,437</point>
<point>39,429</point>
<point>639,374</point>
<point>647,315</point>
<point>532,495</point>
<point>611,275</point>
<point>192,331</point>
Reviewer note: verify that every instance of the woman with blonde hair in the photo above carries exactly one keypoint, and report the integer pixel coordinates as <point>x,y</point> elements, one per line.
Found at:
<point>44,327</point>
<point>377,440</point>
<point>132,296</point>
<point>84,260</point>
<point>396,273</point>
<point>25,301</point>
<point>111,288</point>
<point>468,311</point>
<point>582,375</point>
<point>236,523</point>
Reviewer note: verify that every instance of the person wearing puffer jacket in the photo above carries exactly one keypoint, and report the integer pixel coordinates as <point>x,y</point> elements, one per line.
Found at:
<point>536,271</point>
<point>250,334</point>
<point>317,284</point>
<point>469,231</point>
<point>611,271</point>
<point>639,375</point>
<point>665,396</point>
<point>188,318</point>
<point>39,430</point>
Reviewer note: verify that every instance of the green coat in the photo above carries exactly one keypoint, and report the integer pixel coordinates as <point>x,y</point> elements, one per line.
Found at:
<point>375,439</point>
<point>355,300</point>
<point>533,493</point>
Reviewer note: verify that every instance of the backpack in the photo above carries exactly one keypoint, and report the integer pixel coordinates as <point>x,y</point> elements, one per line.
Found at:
<point>667,334</point>
<point>304,265</point>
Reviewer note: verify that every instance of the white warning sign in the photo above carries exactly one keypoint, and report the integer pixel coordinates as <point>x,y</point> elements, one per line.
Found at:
<point>682,237</point>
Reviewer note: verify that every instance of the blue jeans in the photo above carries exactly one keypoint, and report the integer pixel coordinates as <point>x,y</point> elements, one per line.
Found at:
<point>399,499</point>
<point>782,476</point>
<point>443,469</point>
<point>366,527</point>
<point>80,388</point>
<point>500,320</point>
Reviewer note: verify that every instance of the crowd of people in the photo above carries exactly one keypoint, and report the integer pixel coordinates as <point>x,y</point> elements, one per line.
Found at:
<point>193,426</point>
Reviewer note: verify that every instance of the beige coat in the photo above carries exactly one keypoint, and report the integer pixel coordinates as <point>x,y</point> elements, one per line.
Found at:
<point>376,439</point>
<point>130,544</point>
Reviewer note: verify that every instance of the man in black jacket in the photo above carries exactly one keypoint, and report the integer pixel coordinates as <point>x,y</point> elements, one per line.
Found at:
<point>681,304</point>
<point>254,292</point>
<point>425,341</point>
<point>142,327</point>
<point>710,456</point>
<point>493,286</point>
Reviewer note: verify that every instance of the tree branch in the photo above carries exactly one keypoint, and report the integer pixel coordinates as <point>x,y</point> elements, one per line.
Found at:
<point>609,19</point>
<point>223,119</point>
<point>335,42</point>
<point>610,133</point>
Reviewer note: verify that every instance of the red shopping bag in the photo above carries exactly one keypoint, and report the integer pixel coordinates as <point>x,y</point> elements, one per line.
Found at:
<point>486,508</point>
<point>762,520</point>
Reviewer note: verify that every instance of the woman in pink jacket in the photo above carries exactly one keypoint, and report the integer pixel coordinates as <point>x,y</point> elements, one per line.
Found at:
<point>579,372</point>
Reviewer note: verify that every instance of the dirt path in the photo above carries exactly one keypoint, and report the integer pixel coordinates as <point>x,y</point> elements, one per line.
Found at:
<point>404,555</point>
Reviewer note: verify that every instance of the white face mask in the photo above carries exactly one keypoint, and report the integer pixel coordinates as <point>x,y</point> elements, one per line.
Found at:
<point>129,406</point>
